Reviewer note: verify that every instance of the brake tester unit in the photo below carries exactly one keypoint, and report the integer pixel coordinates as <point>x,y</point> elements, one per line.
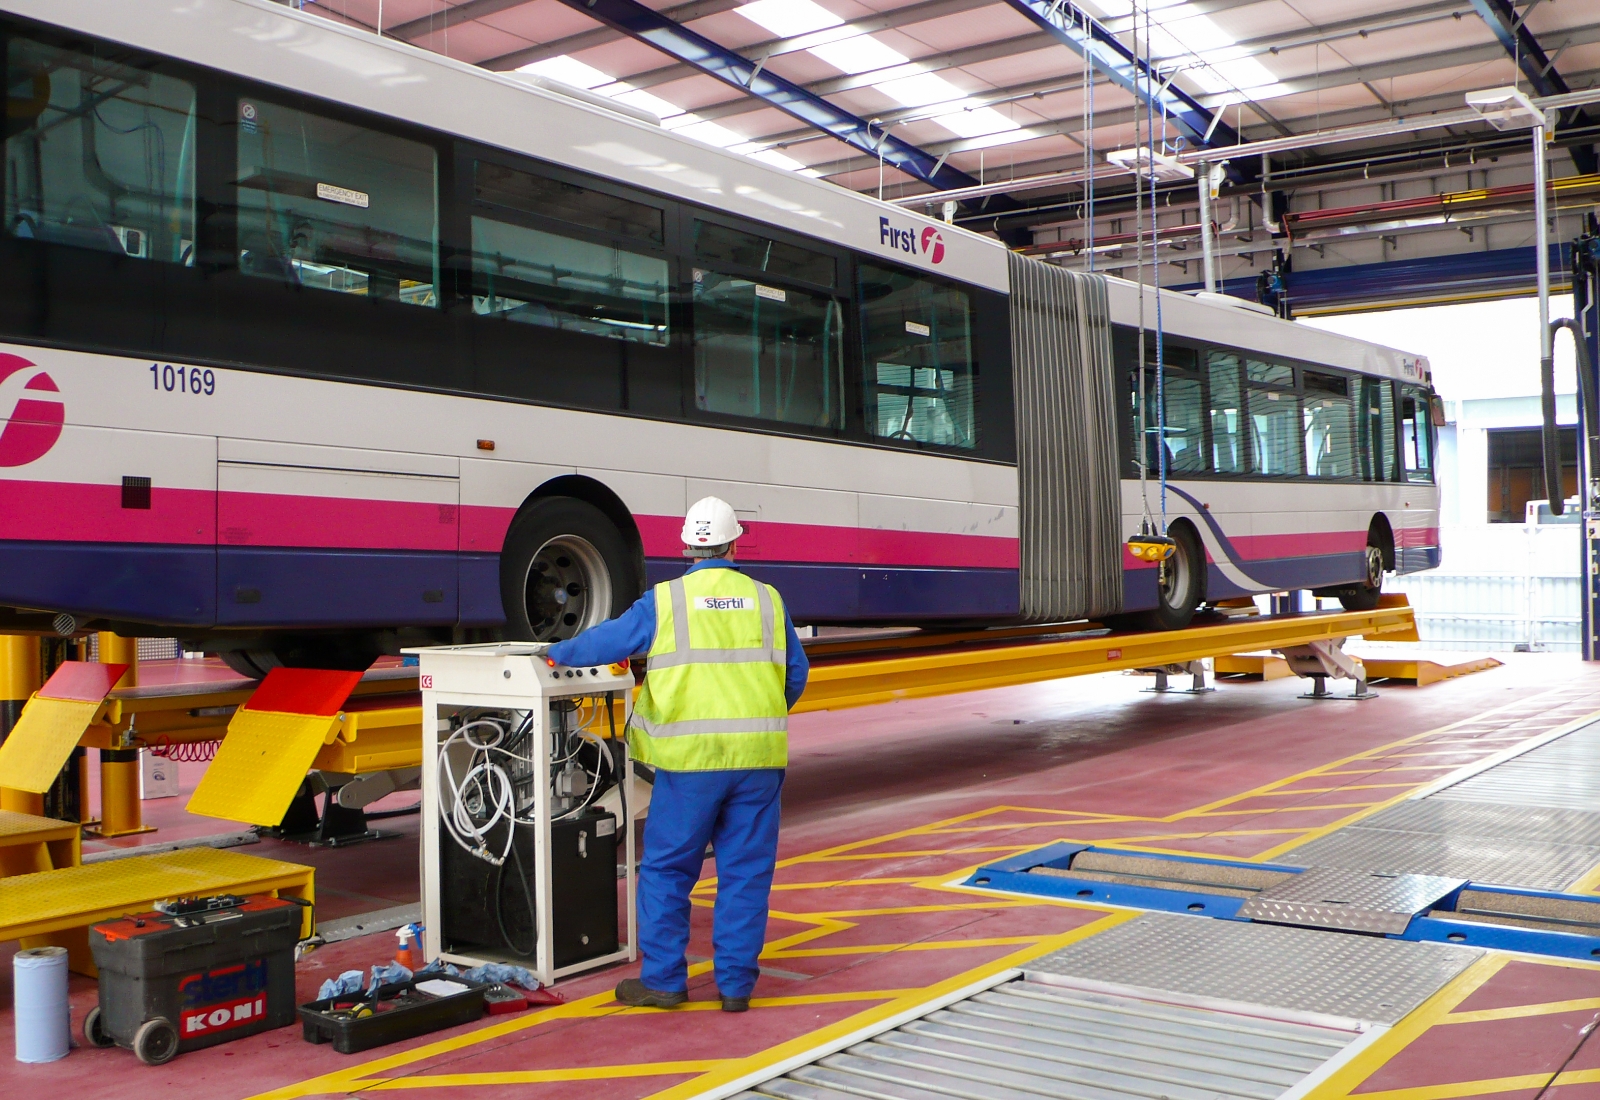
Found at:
<point>525,779</point>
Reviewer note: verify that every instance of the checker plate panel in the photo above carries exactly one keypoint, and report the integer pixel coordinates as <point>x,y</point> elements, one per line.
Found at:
<point>1349,901</point>
<point>1485,860</point>
<point>1328,973</point>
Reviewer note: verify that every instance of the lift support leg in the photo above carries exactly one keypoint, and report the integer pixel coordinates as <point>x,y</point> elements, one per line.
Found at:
<point>121,813</point>
<point>1196,669</point>
<point>1323,660</point>
<point>20,670</point>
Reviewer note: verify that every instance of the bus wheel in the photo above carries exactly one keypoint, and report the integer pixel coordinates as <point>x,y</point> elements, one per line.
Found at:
<point>1364,596</point>
<point>564,568</point>
<point>1183,581</point>
<point>1179,590</point>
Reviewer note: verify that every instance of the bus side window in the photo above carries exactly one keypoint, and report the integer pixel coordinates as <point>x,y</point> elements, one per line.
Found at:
<point>331,205</point>
<point>764,348</point>
<point>1227,430</point>
<point>1330,442</point>
<point>916,336</point>
<point>98,154</point>
<point>1375,429</point>
<point>548,273</point>
<point>1275,427</point>
<point>1416,430</point>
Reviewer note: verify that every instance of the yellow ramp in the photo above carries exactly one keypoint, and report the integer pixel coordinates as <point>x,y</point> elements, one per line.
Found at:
<point>270,744</point>
<point>51,723</point>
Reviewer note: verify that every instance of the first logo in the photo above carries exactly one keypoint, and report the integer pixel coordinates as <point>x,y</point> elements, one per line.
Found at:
<point>35,421</point>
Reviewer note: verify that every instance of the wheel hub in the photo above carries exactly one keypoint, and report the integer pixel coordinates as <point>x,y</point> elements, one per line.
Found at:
<point>568,588</point>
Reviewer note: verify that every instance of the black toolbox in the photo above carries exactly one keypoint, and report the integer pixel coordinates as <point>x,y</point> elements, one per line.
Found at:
<point>194,973</point>
<point>391,1013</point>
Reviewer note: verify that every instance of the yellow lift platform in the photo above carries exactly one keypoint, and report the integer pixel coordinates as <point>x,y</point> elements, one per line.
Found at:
<point>295,720</point>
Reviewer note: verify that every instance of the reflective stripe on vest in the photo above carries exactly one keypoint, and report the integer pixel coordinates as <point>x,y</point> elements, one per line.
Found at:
<point>713,695</point>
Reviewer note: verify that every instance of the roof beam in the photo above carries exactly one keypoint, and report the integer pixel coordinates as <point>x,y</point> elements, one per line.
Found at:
<point>1539,69</point>
<point>653,28</point>
<point>1080,32</point>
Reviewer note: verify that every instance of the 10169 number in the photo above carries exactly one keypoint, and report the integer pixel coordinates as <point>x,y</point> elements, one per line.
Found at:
<point>183,379</point>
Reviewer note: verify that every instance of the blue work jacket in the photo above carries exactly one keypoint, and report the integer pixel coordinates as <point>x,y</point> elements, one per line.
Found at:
<point>634,631</point>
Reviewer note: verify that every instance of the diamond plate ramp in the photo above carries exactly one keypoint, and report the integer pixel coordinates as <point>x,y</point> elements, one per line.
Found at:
<point>1326,974</point>
<point>1563,774</point>
<point>1547,849</point>
<point>1349,901</point>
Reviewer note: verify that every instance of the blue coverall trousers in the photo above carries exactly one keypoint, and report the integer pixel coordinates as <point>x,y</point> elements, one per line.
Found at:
<point>737,812</point>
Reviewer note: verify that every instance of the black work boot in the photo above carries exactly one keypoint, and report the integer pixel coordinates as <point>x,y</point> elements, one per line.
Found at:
<point>735,1004</point>
<point>633,992</point>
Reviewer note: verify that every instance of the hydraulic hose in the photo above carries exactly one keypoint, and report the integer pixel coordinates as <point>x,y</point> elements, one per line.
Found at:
<point>1588,415</point>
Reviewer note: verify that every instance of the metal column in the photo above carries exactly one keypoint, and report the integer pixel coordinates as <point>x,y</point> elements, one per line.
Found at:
<point>1586,308</point>
<point>120,809</point>
<point>20,676</point>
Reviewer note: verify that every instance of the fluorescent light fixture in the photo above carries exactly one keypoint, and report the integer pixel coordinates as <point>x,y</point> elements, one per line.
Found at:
<point>1159,166</point>
<point>1506,108</point>
<point>860,54</point>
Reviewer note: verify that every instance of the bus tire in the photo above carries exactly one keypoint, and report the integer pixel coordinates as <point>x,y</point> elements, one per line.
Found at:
<point>1365,596</point>
<point>1180,591</point>
<point>564,568</point>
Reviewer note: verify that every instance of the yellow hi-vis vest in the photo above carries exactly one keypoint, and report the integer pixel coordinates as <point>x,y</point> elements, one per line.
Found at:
<point>713,692</point>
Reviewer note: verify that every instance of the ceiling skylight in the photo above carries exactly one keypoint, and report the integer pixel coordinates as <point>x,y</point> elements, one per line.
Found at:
<point>569,70</point>
<point>903,81</point>
<point>1179,33</point>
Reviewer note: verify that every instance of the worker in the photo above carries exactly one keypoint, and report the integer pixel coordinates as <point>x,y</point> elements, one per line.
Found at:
<point>724,668</point>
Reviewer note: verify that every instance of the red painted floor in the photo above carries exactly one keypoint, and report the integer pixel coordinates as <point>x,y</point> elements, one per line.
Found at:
<point>883,806</point>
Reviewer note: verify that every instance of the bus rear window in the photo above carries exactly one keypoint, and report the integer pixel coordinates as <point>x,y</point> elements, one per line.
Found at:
<point>327,204</point>
<point>98,155</point>
<point>917,350</point>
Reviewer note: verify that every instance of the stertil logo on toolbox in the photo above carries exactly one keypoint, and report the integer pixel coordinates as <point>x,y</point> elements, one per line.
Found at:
<point>230,996</point>
<point>929,243</point>
<point>32,424</point>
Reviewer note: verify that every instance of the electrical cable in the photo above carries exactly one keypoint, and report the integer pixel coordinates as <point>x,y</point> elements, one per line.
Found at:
<point>1142,434</point>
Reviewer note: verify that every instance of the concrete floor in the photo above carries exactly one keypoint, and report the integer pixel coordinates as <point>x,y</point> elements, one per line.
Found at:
<point>883,808</point>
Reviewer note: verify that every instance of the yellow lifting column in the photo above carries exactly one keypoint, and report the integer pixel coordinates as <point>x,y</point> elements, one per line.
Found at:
<point>120,811</point>
<point>19,678</point>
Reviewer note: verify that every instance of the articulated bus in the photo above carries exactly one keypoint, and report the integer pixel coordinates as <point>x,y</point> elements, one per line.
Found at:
<point>313,344</point>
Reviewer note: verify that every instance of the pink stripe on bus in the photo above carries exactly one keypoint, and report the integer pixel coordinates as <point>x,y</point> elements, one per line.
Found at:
<point>801,542</point>
<point>341,523</point>
<point>56,511</point>
<point>483,529</point>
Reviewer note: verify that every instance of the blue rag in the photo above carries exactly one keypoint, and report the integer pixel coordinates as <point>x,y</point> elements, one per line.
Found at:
<point>342,986</point>
<point>493,973</point>
<point>387,974</point>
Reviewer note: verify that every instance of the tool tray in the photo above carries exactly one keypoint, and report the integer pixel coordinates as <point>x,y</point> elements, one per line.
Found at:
<point>391,1013</point>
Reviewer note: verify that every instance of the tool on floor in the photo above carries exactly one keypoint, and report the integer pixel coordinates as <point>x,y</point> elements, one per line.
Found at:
<point>193,973</point>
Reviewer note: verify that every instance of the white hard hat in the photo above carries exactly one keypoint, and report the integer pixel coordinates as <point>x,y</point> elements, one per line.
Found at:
<point>710,522</point>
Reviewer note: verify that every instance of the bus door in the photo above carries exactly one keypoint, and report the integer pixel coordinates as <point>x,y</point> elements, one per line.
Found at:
<point>1420,538</point>
<point>335,537</point>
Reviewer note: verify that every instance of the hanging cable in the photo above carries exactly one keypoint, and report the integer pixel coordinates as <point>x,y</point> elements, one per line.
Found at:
<point>1088,135</point>
<point>1142,432</point>
<point>1155,265</point>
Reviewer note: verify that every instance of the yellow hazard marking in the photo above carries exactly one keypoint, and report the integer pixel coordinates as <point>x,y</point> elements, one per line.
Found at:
<point>540,1076</point>
<point>42,740</point>
<point>260,765</point>
<point>1518,1012</point>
